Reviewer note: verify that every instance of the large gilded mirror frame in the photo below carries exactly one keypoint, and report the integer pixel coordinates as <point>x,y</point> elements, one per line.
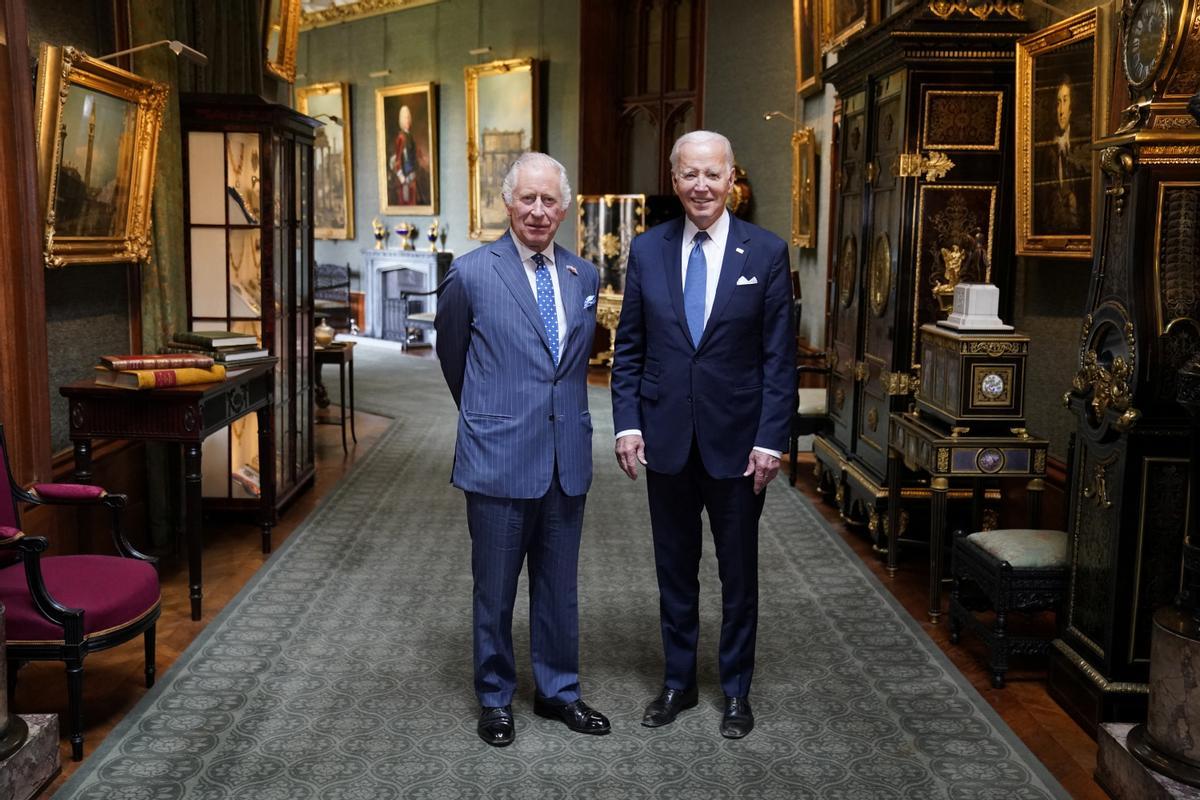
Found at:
<point>97,141</point>
<point>281,35</point>
<point>503,121</point>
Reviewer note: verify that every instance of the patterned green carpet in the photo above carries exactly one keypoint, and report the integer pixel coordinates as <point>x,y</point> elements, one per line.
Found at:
<point>342,670</point>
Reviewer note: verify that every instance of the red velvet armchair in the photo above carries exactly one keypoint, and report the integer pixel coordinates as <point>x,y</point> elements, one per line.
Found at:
<point>60,608</point>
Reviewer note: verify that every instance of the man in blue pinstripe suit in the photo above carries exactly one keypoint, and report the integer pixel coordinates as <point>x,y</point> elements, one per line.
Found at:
<point>514,331</point>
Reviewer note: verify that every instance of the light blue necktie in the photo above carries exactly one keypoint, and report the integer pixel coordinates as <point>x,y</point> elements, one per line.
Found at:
<point>545,301</point>
<point>693,288</point>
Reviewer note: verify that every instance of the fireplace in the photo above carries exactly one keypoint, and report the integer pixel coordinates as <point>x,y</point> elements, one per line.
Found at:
<point>424,270</point>
<point>396,309</point>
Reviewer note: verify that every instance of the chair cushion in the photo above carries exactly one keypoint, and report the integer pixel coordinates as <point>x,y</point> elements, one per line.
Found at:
<point>1023,548</point>
<point>112,591</point>
<point>812,402</point>
<point>68,491</point>
<point>7,533</point>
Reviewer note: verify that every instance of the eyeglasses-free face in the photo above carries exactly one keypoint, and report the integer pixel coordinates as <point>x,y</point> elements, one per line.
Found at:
<point>702,180</point>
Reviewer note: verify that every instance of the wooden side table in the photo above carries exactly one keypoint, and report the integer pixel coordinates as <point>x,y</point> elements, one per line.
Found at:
<point>922,444</point>
<point>341,354</point>
<point>183,415</point>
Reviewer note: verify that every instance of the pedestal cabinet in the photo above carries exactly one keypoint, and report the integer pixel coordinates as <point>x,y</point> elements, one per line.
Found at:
<point>924,202</point>
<point>248,224</point>
<point>1129,496</point>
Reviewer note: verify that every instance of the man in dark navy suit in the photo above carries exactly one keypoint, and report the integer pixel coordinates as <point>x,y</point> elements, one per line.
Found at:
<point>515,321</point>
<point>703,388</point>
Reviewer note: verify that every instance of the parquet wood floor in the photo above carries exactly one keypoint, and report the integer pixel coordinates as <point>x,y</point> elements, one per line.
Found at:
<point>113,679</point>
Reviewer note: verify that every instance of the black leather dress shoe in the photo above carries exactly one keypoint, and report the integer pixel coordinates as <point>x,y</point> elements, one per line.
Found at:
<point>578,716</point>
<point>664,708</point>
<point>496,726</point>
<point>738,719</point>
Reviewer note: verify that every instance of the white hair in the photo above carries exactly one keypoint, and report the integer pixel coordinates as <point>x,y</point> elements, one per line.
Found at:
<point>702,137</point>
<point>530,159</point>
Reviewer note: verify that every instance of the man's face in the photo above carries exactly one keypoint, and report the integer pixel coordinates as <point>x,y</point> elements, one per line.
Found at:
<point>702,181</point>
<point>405,118</point>
<point>537,206</point>
<point>1063,106</point>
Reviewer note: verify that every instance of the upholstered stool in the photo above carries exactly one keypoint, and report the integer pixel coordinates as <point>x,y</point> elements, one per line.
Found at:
<point>1006,571</point>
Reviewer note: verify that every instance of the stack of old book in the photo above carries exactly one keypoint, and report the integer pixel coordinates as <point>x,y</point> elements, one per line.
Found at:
<point>234,350</point>
<point>157,371</point>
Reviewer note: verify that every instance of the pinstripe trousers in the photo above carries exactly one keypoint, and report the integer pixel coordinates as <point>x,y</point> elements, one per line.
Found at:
<point>504,532</point>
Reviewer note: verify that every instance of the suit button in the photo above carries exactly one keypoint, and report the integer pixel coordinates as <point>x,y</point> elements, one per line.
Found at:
<point>689,398</point>
<point>552,418</point>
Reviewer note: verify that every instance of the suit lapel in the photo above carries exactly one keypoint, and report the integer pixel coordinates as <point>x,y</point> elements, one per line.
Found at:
<point>572,299</point>
<point>672,260</point>
<point>508,264</point>
<point>731,267</point>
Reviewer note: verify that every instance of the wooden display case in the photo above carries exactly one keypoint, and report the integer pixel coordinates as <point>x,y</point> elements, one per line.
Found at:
<point>249,257</point>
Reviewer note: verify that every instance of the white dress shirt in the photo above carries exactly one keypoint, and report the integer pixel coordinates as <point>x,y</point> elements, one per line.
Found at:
<point>714,257</point>
<point>526,255</point>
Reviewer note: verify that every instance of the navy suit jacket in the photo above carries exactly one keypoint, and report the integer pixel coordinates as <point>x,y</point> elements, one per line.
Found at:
<point>734,391</point>
<point>519,414</point>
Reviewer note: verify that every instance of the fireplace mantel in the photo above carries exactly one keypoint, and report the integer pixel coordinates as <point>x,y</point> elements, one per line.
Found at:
<point>376,262</point>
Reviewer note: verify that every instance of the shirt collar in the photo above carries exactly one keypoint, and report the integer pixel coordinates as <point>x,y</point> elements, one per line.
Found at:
<point>717,232</point>
<point>526,253</point>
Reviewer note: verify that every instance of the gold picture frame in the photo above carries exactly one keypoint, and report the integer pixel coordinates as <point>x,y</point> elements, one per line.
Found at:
<point>804,188</point>
<point>1058,89</point>
<point>281,35</point>
<point>97,141</point>
<point>843,19</point>
<point>406,142</point>
<point>503,121</point>
<point>806,34</point>
<point>333,162</point>
<point>321,13</point>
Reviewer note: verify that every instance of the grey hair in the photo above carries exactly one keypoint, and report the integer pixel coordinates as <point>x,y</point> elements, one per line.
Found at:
<point>702,137</point>
<point>530,159</point>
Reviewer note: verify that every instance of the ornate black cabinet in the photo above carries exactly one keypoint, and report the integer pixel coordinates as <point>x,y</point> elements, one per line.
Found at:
<point>1129,495</point>
<point>249,254</point>
<point>924,202</point>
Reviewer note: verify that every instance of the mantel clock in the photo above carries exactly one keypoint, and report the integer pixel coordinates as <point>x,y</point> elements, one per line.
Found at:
<point>1129,473</point>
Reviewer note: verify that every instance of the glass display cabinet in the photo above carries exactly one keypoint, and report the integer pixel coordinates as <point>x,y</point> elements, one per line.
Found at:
<point>249,245</point>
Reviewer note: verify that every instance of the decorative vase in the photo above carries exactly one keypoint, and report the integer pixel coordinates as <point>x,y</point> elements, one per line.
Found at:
<point>324,334</point>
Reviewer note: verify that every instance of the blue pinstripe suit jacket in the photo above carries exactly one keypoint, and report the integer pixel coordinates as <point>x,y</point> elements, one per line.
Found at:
<point>519,414</point>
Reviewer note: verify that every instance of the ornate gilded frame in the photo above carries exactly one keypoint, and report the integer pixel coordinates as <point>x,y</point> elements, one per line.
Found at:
<point>804,188</point>
<point>806,33</point>
<point>1071,31</point>
<point>65,75</point>
<point>485,166</point>
<point>329,13</point>
<point>837,29</point>
<point>388,102</point>
<point>281,34</point>
<point>331,99</point>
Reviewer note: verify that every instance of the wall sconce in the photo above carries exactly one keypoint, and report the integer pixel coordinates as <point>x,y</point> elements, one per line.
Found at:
<point>177,47</point>
<point>770,115</point>
<point>334,118</point>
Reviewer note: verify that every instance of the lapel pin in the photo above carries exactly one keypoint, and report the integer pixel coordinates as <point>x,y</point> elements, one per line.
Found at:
<point>740,250</point>
<point>572,270</point>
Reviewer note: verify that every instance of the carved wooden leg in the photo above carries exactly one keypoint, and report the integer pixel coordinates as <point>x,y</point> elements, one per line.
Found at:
<point>149,637</point>
<point>1000,650</point>
<point>191,505</point>
<point>937,544</point>
<point>353,435</point>
<point>75,707</point>
<point>266,475</point>
<point>893,518</point>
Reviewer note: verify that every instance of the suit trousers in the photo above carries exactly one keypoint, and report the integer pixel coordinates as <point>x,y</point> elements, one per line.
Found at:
<point>676,502</point>
<point>504,532</point>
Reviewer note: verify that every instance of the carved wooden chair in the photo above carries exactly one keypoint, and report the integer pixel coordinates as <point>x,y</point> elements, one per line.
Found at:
<point>60,608</point>
<point>812,413</point>
<point>331,295</point>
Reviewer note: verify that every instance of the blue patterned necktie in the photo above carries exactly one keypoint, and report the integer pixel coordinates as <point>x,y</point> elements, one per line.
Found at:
<point>693,288</point>
<point>545,301</point>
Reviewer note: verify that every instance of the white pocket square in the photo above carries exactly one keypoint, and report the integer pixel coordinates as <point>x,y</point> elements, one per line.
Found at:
<point>744,281</point>
<point>589,301</point>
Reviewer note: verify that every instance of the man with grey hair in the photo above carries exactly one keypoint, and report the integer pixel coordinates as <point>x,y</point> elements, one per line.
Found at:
<point>515,321</point>
<point>703,388</point>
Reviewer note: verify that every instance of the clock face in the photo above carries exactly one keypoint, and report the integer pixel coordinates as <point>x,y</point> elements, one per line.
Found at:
<point>992,385</point>
<point>1145,41</point>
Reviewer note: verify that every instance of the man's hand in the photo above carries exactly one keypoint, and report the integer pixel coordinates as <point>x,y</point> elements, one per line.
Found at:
<point>631,451</point>
<point>763,466</point>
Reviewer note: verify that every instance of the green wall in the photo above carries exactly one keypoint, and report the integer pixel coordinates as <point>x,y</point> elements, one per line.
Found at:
<point>430,43</point>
